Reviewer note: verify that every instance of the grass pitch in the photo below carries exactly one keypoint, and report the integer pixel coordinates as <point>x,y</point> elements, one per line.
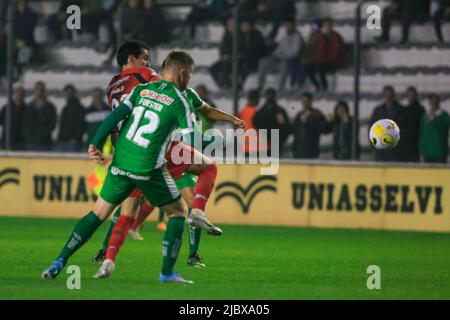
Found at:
<point>247,262</point>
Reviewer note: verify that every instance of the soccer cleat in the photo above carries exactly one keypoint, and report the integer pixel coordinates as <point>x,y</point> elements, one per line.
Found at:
<point>106,269</point>
<point>135,234</point>
<point>195,261</point>
<point>197,218</point>
<point>54,269</point>
<point>174,277</point>
<point>99,257</point>
<point>161,226</point>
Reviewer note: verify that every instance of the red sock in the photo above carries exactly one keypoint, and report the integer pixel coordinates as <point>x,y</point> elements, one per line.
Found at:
<point>205,186</point>
<point>144,212</point>
<point>118,236</point>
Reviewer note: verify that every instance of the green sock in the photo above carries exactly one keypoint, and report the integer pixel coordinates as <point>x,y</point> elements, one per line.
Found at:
<point>172,243</point>
<point>80,234</point>
<point>194,239</point>
<point>110,228</point>
<point>161,216</point>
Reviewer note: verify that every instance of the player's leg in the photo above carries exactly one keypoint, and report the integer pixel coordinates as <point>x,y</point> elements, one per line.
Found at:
<point>129,210</point>
<point>186,185</point>
<point>101,253</point>
<point>162,192</point>
<point>195,233</point>
<point>206,170</point>
<point>145,209</point>
<point>115,190</point>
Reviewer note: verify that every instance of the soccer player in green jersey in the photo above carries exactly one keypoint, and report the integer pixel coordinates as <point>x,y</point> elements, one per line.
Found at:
<point>150,113</point>
<point>185,182</point>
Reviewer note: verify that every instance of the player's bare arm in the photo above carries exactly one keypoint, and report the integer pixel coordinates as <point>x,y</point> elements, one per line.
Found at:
<point>219,115</point>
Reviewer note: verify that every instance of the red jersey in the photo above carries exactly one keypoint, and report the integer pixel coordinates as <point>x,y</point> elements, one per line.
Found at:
<point>122,84</point>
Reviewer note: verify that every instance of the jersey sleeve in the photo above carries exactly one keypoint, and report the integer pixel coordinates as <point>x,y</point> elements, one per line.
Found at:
<point>132,98</point>
<point>149,75</point>
<point>197,102</point>
<point>184,114</point>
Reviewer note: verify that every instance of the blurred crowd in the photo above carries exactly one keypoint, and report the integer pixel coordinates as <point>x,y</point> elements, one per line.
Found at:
<point>408,12</point>
<point>283,50</point>
<point>424,130</point>
<point>292,58</point>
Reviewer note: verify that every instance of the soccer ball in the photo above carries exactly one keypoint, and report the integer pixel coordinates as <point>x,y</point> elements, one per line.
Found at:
<point>384,134</point>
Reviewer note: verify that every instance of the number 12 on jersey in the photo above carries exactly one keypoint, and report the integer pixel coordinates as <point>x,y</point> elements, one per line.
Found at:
<point>137,129</point>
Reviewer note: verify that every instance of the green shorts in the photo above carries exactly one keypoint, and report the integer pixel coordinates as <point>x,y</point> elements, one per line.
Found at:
<point>157,186</point>
<point>186,180</point>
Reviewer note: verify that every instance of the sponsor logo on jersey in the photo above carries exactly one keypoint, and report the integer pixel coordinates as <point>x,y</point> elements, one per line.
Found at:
<point>116,171</point>
<point>118,82</point>
<point>157,96</point>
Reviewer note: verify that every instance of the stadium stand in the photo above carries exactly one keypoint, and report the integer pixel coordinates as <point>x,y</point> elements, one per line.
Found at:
<point>423,63</point>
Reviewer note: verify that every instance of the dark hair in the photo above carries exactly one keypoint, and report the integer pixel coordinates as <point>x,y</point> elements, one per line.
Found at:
<point>130,48</point>
<point>327,20</point>
<point>180,59</point>
<point>40,83</point>
<point>343,104</point>
<point>253,95</point>
<point>434,96</point>
<point>290,19</point>
<point>270,92</point>
<point>307,95</point>
<point>391,88</point>
<point>69,87</point>
<point>413,89</point>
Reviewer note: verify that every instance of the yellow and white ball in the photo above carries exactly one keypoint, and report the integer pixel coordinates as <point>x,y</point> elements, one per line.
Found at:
<point>384,134</point>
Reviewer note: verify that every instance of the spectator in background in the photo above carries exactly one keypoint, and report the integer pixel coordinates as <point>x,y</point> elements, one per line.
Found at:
<point>408,120</point>
<point>25,21</point>
<point>340,124</point>
<point>286,54</point>
<point>310,57</point>
<point>96,113</point>
<point>221,70</point>
<point>405,11</point>
<point>204,11</point>
<point>152,19</point>
<point>202,92</point>
<point>272,116</point>
<point>252,49</point>
<point>247,113</point>
<point>307,127</point>
<point>252,9</point>
<point>131,20</point>
<point>72,124</point>
<point>277,11</point>
<point>434,130</point>
<point>18,108</point>
<point>39,121</point>
<point>443,13</point>
<point>331,52</point>
<point>389,109</point>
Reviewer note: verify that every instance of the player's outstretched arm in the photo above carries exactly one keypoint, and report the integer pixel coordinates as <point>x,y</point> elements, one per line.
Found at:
<point>219,115</point>
<point>107,127</point>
